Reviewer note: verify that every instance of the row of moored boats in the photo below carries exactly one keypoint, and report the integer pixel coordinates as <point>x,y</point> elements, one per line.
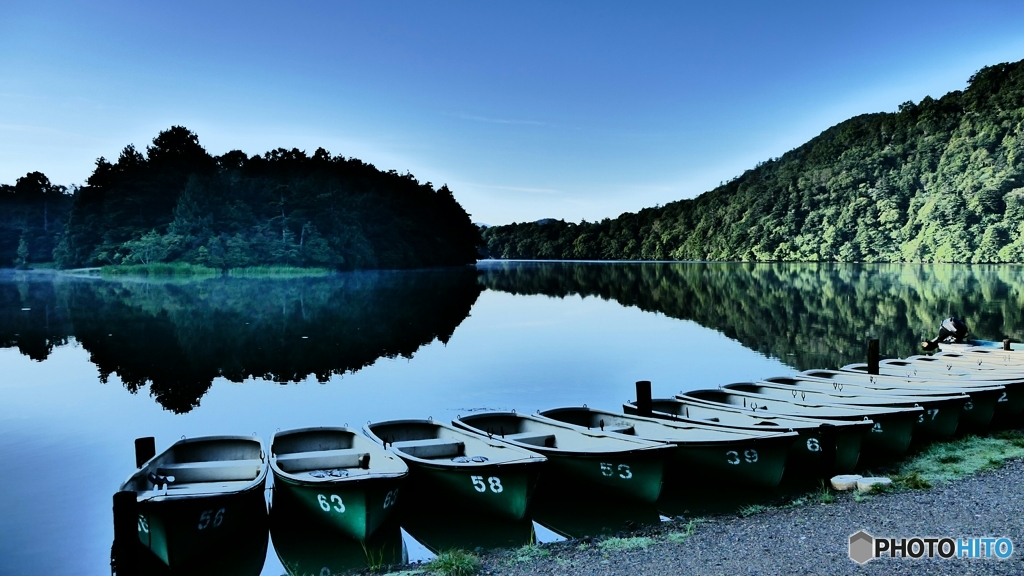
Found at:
<point>818,422</point>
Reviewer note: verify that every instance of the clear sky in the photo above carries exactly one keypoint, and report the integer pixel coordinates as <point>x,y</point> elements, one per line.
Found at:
<point>575,110</point>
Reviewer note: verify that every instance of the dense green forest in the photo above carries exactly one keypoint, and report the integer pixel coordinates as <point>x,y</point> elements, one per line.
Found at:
<point>177,203</point>
<point>33,213</point>
<point>808,315</point>
<point>938,181</point>
<point>176,337</point>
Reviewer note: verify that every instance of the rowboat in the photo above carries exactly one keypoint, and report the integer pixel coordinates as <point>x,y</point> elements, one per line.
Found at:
<point>972,344</point>
<point>1000,361</point>
<point>338,476</point>
<point>448,463</point>
<point>306,548</point>
<point>939,419</point>
<point>824,447</point>
<point>1008,406</point>
<point>199,496</point>
<point>976,414</point>
<point>627,467</point>
<point>703,452</point>
<point>890,434</point>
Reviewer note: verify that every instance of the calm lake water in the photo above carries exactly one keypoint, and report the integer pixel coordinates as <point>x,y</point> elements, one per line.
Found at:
<point>90,364</point>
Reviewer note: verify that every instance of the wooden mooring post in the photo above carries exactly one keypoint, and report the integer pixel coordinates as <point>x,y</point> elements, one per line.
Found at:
<point>145,448</point>
<point>873,356</point>
<point>643,397</point>
<point>1006,344</point>
<point>124,554</point>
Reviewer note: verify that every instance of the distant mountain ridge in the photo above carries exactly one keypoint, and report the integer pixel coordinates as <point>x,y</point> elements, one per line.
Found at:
<point>938,181</point>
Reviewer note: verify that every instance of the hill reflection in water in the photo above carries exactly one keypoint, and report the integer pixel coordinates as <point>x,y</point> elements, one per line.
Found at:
<point>178,336</point>
<point>806,315</point>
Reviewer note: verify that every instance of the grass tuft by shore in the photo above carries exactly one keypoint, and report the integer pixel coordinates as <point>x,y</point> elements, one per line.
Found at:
<point>945,461</point>
<point>159,269</point>
<point>454,563</point>
<point>277,272</point>
<point>616,544</point>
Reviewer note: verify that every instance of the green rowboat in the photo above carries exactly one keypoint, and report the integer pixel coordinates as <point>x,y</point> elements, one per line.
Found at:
<point>703,453</point>
<point>973,345</point>
<point>1008,406</point>
<point>825,448</point>
<point>1001,359</point>
<point>939,419</point>
<point>976,414</point>
<point>463,468</point>
<point>338,476</point>
<point>306,548</point>
<point>890,435</point>
<point>627,467</point>
<point>198,496</point>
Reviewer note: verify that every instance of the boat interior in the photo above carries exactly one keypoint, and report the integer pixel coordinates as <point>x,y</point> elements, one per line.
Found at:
<point>643,428</point>
<point>329,454</point>
<point>201,465</point>
<point>428,440</point>
<point>541,433</point>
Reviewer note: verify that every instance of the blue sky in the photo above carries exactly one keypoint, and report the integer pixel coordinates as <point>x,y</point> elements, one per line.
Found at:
<point>526,109</point>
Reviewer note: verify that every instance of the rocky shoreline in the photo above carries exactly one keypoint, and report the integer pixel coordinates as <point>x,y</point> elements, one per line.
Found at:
<point>808,538</point>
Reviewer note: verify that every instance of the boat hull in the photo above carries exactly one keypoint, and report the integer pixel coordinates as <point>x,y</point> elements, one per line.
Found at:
<point>501,490</point>
<point>354,508</point>
<point>758,462</point>
<point>636,475</point>
<point>820,449</point>
<point>178,530</point>
<point>304,546</point>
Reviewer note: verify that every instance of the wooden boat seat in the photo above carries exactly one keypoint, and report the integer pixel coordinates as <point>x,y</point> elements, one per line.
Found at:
<point>216,471</point>
<point>533,438</point>
<point>619,429</point>
<point>323,460</point>
<point>431,447</point>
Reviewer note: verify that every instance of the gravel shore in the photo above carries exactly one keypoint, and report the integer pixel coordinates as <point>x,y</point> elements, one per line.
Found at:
<point>810,539</point>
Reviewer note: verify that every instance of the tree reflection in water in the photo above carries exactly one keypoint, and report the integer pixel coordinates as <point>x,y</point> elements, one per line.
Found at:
<point>806,315</point>
<point>178,336</point>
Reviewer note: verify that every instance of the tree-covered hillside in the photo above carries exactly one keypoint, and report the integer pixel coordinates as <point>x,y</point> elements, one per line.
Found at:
<point>177,203</point>
<point>939,181</point>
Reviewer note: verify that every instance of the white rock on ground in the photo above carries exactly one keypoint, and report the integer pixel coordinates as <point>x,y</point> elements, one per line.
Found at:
<point>845,481</point>
<point>866,484</point>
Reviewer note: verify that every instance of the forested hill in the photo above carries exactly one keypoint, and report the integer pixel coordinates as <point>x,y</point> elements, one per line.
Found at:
<point>177,203</point>
<point>939,181</point>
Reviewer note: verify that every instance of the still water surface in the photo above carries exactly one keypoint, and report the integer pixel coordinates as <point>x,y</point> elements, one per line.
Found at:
<point>90,364</point>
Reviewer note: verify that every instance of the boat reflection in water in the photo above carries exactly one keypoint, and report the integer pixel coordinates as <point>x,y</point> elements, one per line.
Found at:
<point>307,546</point>
<point>581,512</point>
<point>440,527</point>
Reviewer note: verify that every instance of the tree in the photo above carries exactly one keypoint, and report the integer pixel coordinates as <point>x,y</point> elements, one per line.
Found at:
<point>22,261</point>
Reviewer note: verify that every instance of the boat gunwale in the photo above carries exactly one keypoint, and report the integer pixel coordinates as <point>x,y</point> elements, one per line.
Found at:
<point>898,399</point>
<point>156,496</point>
<point>965,385</point>
<point>744,434</point>
<point>530,457</point>
<point>643,446</point>
<point>295,480</point>
<point>930,374</point>
<point>866,410</point>
<point>804,422</point>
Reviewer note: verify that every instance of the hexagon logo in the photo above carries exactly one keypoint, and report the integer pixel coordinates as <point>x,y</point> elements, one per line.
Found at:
<point>862,547</point>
